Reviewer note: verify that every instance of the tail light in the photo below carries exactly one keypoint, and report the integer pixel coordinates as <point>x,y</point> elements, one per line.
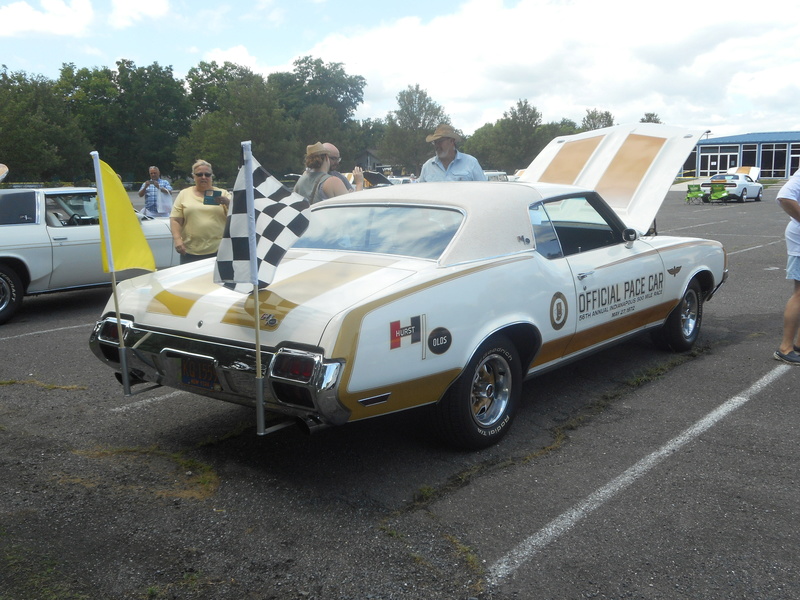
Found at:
<point>294,366</point>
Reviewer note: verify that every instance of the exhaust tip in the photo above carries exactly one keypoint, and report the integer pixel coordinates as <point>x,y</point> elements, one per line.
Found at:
<point>310,424</point>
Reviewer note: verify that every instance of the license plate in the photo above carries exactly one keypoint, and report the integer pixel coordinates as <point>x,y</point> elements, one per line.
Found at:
<point>199,373</point>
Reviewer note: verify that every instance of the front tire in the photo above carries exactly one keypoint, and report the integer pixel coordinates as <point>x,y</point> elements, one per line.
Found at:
<point>760,195</point>
<point>477,410</point>
<point>11,292</point>
<point>681,329</point>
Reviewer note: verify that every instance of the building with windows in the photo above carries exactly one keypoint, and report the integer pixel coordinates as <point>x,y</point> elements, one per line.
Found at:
<point>777,154</point>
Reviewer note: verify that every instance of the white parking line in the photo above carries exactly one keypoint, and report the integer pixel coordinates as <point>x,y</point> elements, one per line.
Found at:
<point>755,247</point>
<point>694,226</point>
<point>147,401</point>
<point>21,335</point>
<point>561,524</point>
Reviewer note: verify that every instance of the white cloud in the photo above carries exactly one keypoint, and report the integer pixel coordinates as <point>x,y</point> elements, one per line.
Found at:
<point>236,54</point>
<point>125,13</point>
<point>690,62</point>
<point>55,17</point>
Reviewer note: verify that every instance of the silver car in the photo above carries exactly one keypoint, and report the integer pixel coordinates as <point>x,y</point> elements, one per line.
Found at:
<point>50,241</point>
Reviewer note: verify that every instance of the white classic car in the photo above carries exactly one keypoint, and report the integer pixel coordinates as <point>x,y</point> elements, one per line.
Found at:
<point>447,294</point>
<point>50,241</point>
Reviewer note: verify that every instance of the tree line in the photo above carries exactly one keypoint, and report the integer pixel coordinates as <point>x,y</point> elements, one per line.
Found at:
<point>141,116</point>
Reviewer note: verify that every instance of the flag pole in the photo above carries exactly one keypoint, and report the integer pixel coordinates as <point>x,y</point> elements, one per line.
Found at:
<point>101,201</point>
<point>251,229</point>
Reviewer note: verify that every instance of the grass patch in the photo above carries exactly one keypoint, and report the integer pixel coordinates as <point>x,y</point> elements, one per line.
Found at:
<point>29,575</point>
<point>195,480</point>
<point>41,384</point>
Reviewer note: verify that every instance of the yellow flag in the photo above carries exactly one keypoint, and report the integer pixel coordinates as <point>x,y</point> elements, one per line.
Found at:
<point>129,248</point>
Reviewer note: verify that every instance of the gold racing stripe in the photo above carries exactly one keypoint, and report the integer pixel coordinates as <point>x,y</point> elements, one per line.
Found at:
<point>567,165</point>
<point>180,299</point>
<point>555,349</point>
<point>286,295</point>
<point>628,168</point>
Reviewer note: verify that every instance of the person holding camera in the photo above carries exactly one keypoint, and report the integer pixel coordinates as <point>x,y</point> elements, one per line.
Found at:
<point>198,216</point>
<point>157,194</point>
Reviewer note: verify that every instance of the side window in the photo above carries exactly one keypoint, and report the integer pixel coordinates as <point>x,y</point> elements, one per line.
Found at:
<point>70,210</point>
<point>579,226</point>
<point>17,207</point>
<point>544,234</point>
<point>56,214</point>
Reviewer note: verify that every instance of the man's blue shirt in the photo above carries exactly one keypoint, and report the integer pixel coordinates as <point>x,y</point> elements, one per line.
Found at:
<point>151,198</point>
<point>463,168</point>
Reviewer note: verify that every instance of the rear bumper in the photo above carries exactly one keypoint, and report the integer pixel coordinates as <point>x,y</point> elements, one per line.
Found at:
<point>162,357</point>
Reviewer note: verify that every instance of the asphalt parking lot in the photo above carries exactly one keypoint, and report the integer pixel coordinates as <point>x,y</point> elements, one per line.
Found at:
<point>634,473</point>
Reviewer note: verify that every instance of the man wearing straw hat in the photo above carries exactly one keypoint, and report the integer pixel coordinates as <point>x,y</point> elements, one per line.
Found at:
<point>448,164</point>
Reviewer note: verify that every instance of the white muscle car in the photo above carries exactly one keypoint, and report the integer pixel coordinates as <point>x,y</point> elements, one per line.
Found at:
<point>448,294</point>
<point>50,241</point>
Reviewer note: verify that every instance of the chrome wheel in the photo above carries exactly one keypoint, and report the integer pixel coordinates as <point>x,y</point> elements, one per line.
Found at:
<point>491,390</point>
<point>5,294</point>
<point>479,407</point>
<point>689,313</point>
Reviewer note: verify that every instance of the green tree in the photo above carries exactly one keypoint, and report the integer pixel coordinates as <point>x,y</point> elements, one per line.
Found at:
<point>509,144</point>
<point>319,123</point>
<point>39,138</point>
<point>417,115</point>
<point>650,118</point>
<point>315,82</point>
<point>207,82</point>
<point>92,97</point>
<point>153,113</point>
<point>488,146</point>
<point>596,119</point>
<point>132,116</point>
<point>248,110</point>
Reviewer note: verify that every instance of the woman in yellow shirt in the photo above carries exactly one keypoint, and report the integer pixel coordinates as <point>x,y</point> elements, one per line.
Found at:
<point>198,216</point>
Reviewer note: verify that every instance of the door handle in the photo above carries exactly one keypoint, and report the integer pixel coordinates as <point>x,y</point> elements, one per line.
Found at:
<point>582,276</point>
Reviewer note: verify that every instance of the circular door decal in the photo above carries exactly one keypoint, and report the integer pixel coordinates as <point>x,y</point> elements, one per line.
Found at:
<point>439,340</point>
<point>558,310</point>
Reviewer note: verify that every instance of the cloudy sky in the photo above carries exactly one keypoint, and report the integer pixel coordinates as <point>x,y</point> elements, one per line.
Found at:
<point>727,66</point>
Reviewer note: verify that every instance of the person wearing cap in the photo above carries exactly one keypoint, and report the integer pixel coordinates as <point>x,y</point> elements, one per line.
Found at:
<point>316,183</point>
<point>448,164</point>
<point>336,158</point>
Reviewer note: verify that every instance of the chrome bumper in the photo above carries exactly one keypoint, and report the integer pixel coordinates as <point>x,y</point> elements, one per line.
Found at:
<point>159,357</point>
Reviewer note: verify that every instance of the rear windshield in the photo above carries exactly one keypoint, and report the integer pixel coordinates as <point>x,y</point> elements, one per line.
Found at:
<point>421,232</point>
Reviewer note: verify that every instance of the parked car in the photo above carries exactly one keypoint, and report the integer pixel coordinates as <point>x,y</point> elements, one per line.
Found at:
<point>739,186</point>
<point>444,294</point>
<point>496,176</point>
<point>50,241</point>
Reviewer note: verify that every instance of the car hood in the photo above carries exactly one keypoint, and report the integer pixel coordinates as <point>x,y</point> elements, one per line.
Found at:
<point>307,292</point>
<point>631,166</point>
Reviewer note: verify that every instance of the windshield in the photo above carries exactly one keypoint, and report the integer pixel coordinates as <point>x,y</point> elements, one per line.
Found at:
<point>416,231</point>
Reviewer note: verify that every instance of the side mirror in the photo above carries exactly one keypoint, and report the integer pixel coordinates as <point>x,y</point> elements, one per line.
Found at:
<point>629,236</point>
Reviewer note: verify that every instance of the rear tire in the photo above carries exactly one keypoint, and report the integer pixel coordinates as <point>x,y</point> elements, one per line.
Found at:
<point>477,410</point>
<point>11,292</point>
<point>682,327</point>
<point>743,197</point>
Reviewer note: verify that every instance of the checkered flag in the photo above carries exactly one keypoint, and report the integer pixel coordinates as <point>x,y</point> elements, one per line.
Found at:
<point>279,217</point>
